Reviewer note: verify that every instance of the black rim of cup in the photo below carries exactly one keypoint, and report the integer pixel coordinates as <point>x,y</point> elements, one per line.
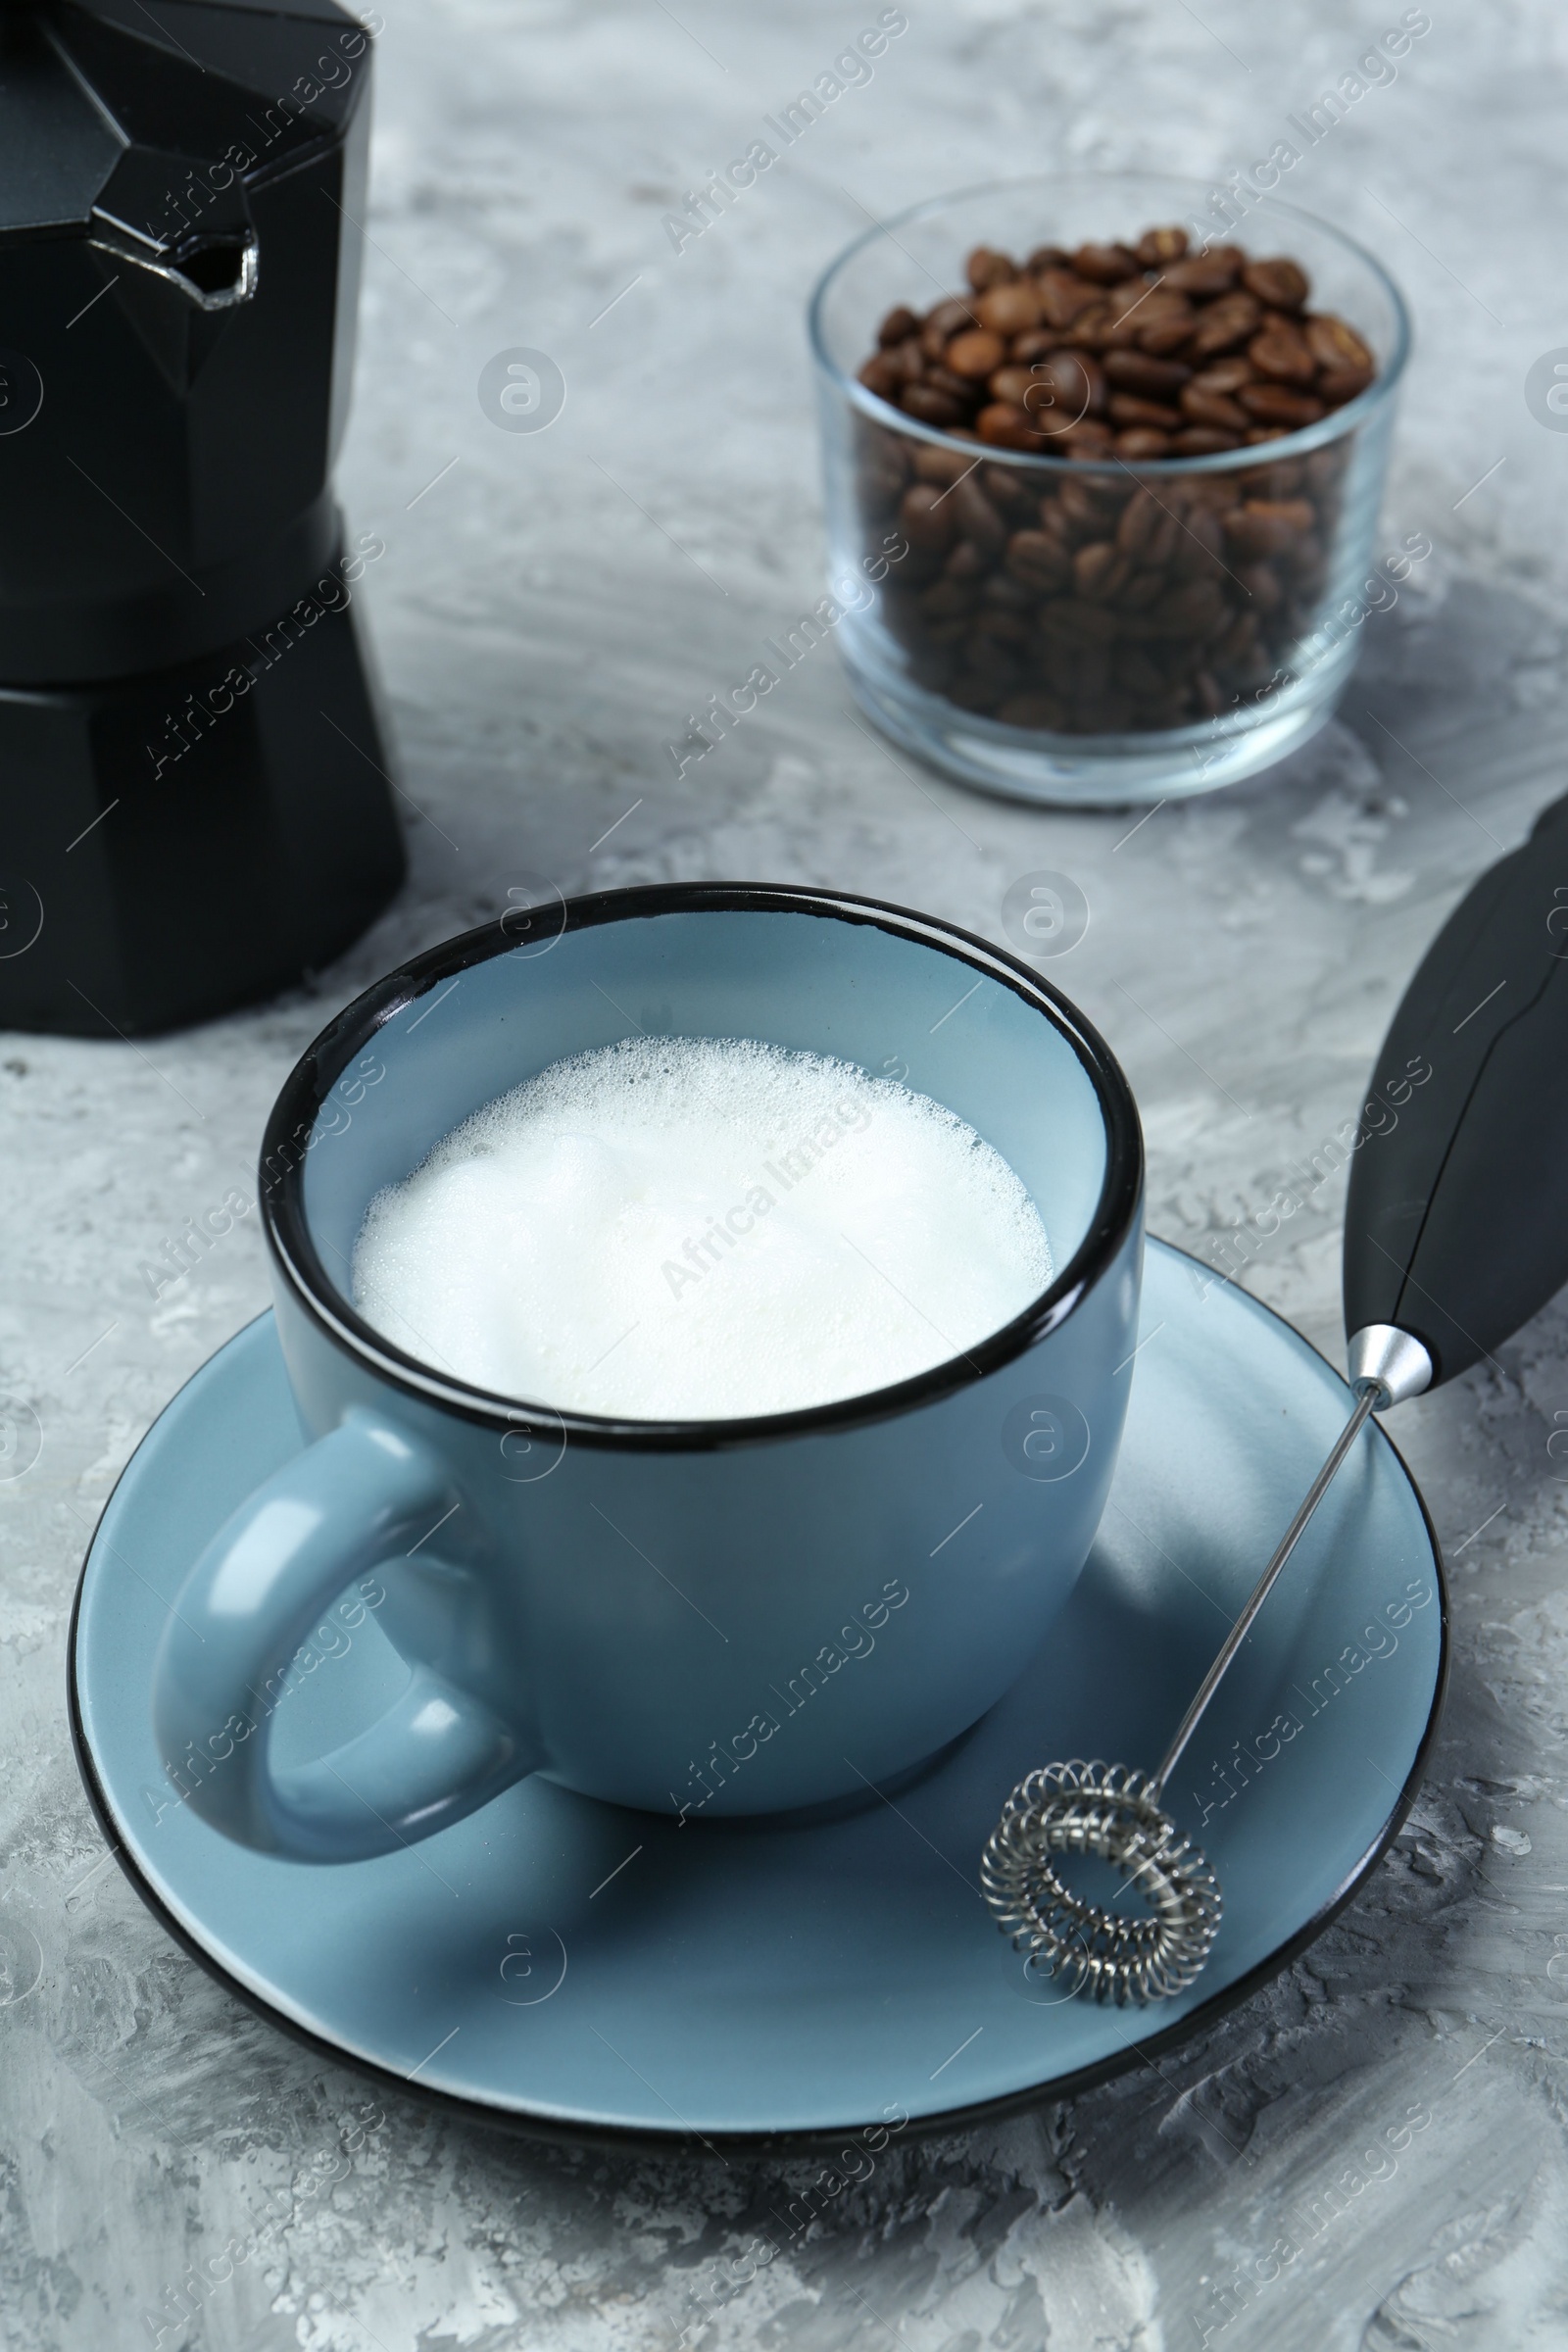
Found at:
<point>309,1084</point>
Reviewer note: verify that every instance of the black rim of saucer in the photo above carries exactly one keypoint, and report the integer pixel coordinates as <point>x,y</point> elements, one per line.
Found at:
<point>766,2146</point>
<point>306,1090</point>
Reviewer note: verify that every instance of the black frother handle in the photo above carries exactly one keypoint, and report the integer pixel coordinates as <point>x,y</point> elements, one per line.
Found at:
<point>1456,1224</point>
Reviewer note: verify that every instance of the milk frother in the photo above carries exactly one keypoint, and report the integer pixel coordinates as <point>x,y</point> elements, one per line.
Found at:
<point>1456,1234</point>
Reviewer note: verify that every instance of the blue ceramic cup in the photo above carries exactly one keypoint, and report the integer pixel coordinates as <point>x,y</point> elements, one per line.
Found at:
<point>698,1618</point>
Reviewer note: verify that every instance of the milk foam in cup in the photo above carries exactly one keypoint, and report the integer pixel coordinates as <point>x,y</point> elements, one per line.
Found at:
<point>684,1228</point>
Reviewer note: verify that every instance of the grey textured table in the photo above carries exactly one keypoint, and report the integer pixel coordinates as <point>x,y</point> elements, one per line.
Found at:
<point>550,608</point>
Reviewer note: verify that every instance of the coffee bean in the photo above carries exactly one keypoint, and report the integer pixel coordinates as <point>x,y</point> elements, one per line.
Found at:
<point>1159,302</point>
<point>1197,554</point>
<point>1046,257</point>
<point>1224,376</point>
<point>1142,441</point>
<point>1009,496</point>
<point>1277,403</point>
<point>948,319</point>
<point>1165,333</point>
<point>1068,387</point>
<point>1131,294</point>
<point>1003,426</point>
<point>1063,296</point>
<point>976,518</point>
<point>1137,371</point>
<point>975,353</point>
<point>1203,441</point>
<point>1167,538</point>
<point>1104,265</point>
<point>1263,586</point>
<point>1093,328</point>
<point>943,380</point>
<point>1204,274</point>
<point>1193,609</point>
<point>1215,491</point>
<point>1092,500</point>
<point>1117,330</point>
<point>1099,571</point>
<point>1138,521</point>
<point>1025,349</point>
<point>926,517</point>
<point>1333,344</point>
<point>1088,439</point>
<point>1239,640</point>
<point>1263,526</point>
<point>1010,310</point>
<point>882,377</point>
<point>1039,560</point>
<point>1010,384</point>
<point>1214,408</point>
<point>1282,353</point>
<point>1223,326</point>
<point>1057,525</point>
<point>986,267</point>
<point>930,406</point>
<point>944,467</point>
<point>897,327</point>
<point>1337,385</point>
<point>1126,408</point>
<point>1158,246</point>
<point>1279,283</point>
<point>1140,591</point>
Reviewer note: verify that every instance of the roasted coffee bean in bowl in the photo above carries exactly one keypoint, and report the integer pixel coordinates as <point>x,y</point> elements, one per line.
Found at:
<point>1118,489</point>
<point>1144,350</point>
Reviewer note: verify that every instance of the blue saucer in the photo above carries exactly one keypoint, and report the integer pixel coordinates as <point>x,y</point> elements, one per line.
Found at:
<point>558,1964</point>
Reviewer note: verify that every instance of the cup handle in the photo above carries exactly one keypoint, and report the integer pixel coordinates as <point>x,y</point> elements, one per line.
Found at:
<point>358,1496</point>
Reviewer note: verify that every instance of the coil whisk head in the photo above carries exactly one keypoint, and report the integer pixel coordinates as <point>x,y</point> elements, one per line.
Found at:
<point>1112,1812</point>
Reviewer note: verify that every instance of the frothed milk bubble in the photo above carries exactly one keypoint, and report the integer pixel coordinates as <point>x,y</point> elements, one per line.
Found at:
<point>694,1228</point>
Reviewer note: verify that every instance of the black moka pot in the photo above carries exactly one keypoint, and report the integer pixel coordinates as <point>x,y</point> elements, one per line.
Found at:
<point>193,809</point>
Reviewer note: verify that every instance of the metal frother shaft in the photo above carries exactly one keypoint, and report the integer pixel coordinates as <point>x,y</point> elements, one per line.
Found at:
<point>1118,1814</point>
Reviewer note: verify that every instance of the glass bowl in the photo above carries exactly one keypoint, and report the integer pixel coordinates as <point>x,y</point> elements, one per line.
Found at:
<point>1109,630</point>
